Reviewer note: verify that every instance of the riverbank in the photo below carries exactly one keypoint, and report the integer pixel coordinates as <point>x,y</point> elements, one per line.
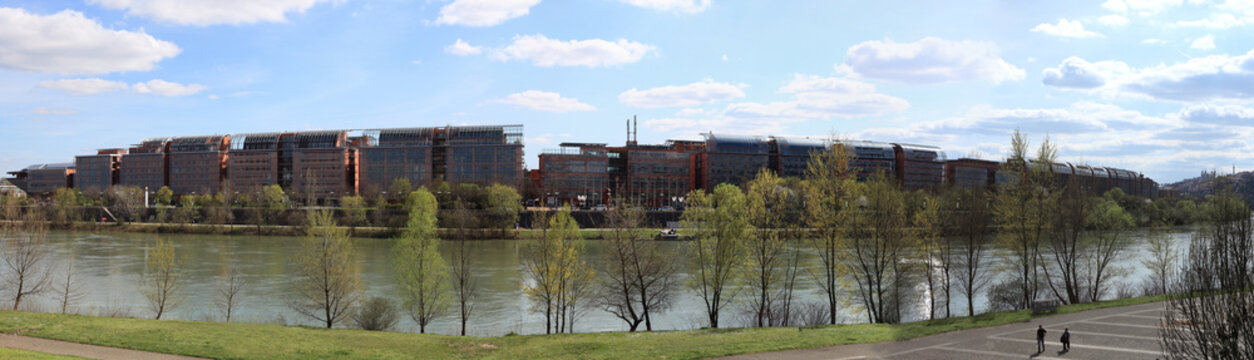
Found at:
<point>286,230</point>
<point>268,341</point>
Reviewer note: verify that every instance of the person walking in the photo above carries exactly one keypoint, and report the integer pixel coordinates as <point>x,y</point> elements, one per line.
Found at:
<point>1066,339</point>
<point>1040,339</point>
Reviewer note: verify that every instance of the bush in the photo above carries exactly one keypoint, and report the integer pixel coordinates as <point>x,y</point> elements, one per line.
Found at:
<point>378,314</point>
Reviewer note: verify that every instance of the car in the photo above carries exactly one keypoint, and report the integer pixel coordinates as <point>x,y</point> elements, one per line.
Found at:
<point>600,207</point>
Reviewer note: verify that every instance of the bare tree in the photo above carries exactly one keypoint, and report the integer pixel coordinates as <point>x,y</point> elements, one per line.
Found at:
<point>935,252</point>
<point>1024,206</point>
<point>1161,262</point>
<point>26,258</point>
<point>828,215</point>
<point>327,284</point>
<point>69,290</point>
<point>639,277</point>
<point>1068,246</point>
<point>971,217</point>
<point>464,284</point>
<point>1211,309</point>
<point>877,249</point>
<point>162,279</point>
<point>231,283</point>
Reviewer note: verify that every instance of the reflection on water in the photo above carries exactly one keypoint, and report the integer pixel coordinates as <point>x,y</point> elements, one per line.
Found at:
<point>109,265</point>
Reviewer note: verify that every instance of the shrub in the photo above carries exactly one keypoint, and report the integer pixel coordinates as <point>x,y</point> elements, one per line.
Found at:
<point>378,314</point>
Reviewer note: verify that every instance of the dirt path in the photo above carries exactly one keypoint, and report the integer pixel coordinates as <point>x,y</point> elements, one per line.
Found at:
<point>82,350</point>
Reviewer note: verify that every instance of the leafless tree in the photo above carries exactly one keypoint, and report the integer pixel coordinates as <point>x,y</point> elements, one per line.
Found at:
<point>26,258</point>
<point>639,278</point>
<point>1067,245</point>
<point>327,284</point>
<point>69,290</point>
<point>231,284</point>
<point>464,284</point>
<point>162,279</point>
<point>970,217</point>
<point>1211,309</point>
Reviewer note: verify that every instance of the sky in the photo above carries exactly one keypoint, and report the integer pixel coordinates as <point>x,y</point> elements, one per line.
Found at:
<point>1162,87</point>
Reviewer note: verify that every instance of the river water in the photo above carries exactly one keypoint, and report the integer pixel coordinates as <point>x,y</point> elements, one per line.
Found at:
<point>108,267</point>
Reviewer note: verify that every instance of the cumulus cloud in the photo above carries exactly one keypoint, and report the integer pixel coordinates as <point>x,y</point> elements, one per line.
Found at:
<point>1203,43</point>
<point>928,61</point>
<point>1113,20</point>
<point>1065,28</point>
<point>54,111</point>
<point>544,52</point>
<point>698,93</point>
<point>461,48</point>
<point>166,88</point>
<point>1216,21</point>
<point>1209,78</point>
<point>678,6</point>
<point>211,12</point>
<point>93,86</point>
<point>483,12</point>
<point>68,43</point>
<point>1228,115</point>
<point>545,101</point>
<point>1077,73</point>
<point>1140,7</point>
<point>84,86</point>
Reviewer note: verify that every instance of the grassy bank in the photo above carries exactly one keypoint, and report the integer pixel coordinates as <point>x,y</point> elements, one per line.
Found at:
<point>6,353</point>
<point>285,230</point>
<point>266,341</point>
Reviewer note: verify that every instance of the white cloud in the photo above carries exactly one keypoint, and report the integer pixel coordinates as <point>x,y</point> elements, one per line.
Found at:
<point>68,43</point>
<point>483,12</point>
<point>84,86</point>
<point>461,48</point>
<point>1227,115</point>
<point>166,88</point>
<point>929,60</point>
<point>93,86</point>
<point>1113,20</point>
<point>54,111</point>
<point>1077,73</point>
<point>1217,21</point>
<point>1065,28</point>
<point>1203,43</point>
<point>545,52</point>
<point>1209,78</point>
<point>211,12</point>
<point>698,93</point>
<point>679,6</point>
<point>1140,7</point>
<point>1153,41</point>
<point>545,101</point>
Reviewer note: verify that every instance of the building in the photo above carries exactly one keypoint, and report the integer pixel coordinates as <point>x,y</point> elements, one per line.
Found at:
<point>145,165</point>
<point>478,154</point>
<point>253,161</point>
<point>94,173</point>
<point>732,159</point>
<point>971,173</point>
<point>390,154</point>
<point>197,164</point>
<point>575,174</point>
<point>871,158</point>
<point>791,157</point>
<point>919,166</point>
<point>323,165</point>
<point>657,175</point>
<point>43,179</point>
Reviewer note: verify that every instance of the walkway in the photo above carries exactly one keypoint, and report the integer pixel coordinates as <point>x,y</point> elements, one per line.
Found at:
<point>1129,332</point>
<point>81,350</point>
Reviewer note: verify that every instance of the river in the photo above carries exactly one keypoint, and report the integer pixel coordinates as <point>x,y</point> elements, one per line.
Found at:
<point>108,267</point>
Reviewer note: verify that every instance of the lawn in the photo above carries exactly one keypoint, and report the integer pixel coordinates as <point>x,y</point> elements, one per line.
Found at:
<point>15,354</point>
<point>267,341</point>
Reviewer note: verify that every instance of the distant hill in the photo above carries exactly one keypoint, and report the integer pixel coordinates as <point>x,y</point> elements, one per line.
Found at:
<point>1243,183</point>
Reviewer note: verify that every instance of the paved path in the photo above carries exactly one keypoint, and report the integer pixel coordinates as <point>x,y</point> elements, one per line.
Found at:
<point>81,350</point>
<point>1128,332</point>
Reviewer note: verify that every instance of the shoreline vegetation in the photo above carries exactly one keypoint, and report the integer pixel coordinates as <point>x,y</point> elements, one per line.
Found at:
<point>300,231</point>
<point>270,341</point>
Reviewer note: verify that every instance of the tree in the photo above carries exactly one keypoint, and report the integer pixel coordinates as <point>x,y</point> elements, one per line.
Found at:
<point>1109,223</point>
<point>65,206</point>
<point>274,202</point>
<point>217,208</point>
<point>720,228</point>
<point>970,218</point>
<point>1162,260</point>
<point>558,278</point>
<point>400,190</point>
<point>639,275</point>
<point>162,279</point>
<point>231,283</point>
<point>165,196</point>
<point>188,210</point>
<point>327,284</point>
<point>1209,310</point>
<point>69,290</point>
<point>12,207</point>
<point>464,284</point>
<point>935,251</point>
<point>26,257</point>
<point>421,272</point>
<point>354,208</point>
<point>127,202</point>
<point>1024,207</point>
<point>1067,244</point>
<point>827,201</point>
<point>771,205</point>
<point>502,205</point>
<point>877,249</point>
<point>377,314</point>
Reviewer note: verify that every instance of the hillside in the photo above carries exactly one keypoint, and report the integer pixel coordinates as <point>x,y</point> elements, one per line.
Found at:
<point>1242,182</point>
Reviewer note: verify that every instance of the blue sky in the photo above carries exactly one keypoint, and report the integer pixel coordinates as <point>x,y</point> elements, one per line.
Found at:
<point>1158,86</point>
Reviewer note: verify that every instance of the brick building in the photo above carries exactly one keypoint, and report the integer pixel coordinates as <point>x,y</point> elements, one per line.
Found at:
<point>323,165</point>
<point>145,165</point>
<point>253,161</point>
<point>390,154</point>
<point>575,174</point>
<point>197,164</point>
<point>97,172</point>
<point>44,179</point>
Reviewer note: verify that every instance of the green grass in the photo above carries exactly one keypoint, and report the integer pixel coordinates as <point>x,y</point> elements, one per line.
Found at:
<point>7,353</point>
<point>266,341</point>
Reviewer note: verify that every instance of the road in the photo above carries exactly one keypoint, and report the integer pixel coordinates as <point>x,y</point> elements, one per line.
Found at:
<point>1119,333</point>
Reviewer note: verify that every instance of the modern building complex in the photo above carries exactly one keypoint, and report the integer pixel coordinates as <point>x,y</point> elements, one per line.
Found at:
<point>328,164</point>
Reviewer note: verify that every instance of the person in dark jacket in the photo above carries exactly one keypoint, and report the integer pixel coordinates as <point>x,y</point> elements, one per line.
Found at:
<point>1040,339</point>
<point>1066,339</point>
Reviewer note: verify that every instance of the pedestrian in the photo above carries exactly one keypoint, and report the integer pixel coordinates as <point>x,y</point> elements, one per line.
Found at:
<point>1066,339</point>
<point>1040,339</point>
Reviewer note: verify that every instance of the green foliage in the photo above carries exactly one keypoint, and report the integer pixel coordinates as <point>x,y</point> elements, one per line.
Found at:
<point>328,281</point>
<point>354,208</point>
<point>162,279</point>
<point>421,272</point>
<point>720,227</point>
<point>188,210</point>
<point>165,196</point>
<point>828,193</point>
<point>378,314</point>
<point>400,189</point>
<point>1024,210</point>
<point>559,278</point>
<point>502,204</point>
<point>65,206</point>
